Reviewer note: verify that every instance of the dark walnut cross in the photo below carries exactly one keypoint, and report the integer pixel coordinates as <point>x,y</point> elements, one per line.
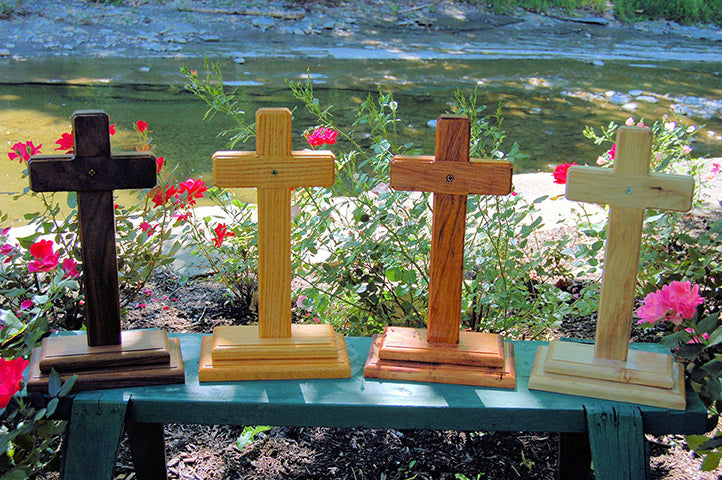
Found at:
<point>93,172</point>
<point>445,355</point>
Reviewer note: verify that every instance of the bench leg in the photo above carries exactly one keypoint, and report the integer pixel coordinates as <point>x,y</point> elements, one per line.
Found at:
<point>147,447</point>
<point>575,458</point>
<point>616,438</point>
<point>92,438</point>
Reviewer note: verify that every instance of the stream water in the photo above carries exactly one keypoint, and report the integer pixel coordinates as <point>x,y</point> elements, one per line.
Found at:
<point>546,103</point>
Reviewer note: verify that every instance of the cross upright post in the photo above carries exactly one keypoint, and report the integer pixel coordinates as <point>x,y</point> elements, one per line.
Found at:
<point>451,175</point>
<point>93,172</point>
<point>273,168</point>
<point>108,357</point>
<point>629,189</point>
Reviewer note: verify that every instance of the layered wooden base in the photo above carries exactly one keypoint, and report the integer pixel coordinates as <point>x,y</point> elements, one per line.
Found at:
<point>238,353</point>
<point>645,378</point>
<point>478,359</point>
<point>144,357</point>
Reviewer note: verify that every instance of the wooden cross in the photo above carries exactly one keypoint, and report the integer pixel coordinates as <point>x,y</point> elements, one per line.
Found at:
<point>451,175</point>
<point>628,188</point>
<point>93,172</point>
<point>274,169</point>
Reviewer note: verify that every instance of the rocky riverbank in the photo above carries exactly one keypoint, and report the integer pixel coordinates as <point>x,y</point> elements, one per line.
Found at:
<point>356,29</point>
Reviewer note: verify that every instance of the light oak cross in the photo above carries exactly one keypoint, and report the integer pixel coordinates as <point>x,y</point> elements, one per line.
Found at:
<point>629,189</point>
<point>451,175</point>
<point>610,369</point>
<point>93,172</point>
<point>275,349</point>
<point>274,169</point>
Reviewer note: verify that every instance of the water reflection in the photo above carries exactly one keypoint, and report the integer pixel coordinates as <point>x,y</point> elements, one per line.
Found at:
<point>542,107</point>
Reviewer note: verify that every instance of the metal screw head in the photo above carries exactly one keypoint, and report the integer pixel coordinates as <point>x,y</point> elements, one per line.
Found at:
<point>91,172</point>
<point>628,190</point>
<point>449,178</point>
<point>274,172</point>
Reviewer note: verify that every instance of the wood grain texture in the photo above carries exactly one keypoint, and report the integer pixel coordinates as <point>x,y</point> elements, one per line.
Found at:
<point>424,174</point>
<point>451,175</point>
<point>628,189</point>
<point>274,262</point>
<point>672,398</point>
<point>274,168</point>
<point>640,368</point>
<point>248,170</point>
<point>504,377</point>
<point>446,269</point>
<point>411,344</point>
<point>96,219</point>
<point>114,377</point>
<point>94,173</point>
<point>658,191</point>
<point>273,368</point>
<point>137,347</point>
<point>616,441</point>
<point>244,343</point>
<point>619,281</point>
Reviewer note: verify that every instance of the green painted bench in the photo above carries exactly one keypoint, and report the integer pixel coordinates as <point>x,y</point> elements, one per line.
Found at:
<point>609,433</point>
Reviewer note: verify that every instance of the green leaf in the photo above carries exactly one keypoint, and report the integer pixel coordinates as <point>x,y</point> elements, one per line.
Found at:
<point>694,441</point>
<point>713,367</point>
<point>711,461</point>
<point>54,383</point>
<point>394,274</point>
<point>17,473</point>
<point>249,434</point>
<point>67,386</point>
<point>52,405</point>
<point>72,200</point>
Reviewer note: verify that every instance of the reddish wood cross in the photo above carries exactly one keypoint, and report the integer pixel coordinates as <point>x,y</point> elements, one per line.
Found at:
<point>274,169</point>
<point>451,175</point>
<point>628,189</point>
<point>93,172</point>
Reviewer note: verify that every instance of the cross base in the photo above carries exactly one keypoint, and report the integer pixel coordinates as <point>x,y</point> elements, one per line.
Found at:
<point>645,378</point>
<point>238,353</point>
<point>479,359</point>
<point>411,344</point>
<point>144,357</point>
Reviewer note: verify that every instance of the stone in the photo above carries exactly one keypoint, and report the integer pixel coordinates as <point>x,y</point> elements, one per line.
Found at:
<point>630,106</point>
<point>619,99</point>
<point>263,23</point>
<point>636,93</point>
<point>4,53</point>
<point>647,98</point>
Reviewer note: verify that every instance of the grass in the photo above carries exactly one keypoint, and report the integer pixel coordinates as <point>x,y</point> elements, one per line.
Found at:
<point>681,11</point>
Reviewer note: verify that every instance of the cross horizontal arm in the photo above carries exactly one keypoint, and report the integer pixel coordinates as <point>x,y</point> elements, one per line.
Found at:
<point>658,191</point>
<point>63,173</point>
<point>423,173</point>
<point>247,169</point>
